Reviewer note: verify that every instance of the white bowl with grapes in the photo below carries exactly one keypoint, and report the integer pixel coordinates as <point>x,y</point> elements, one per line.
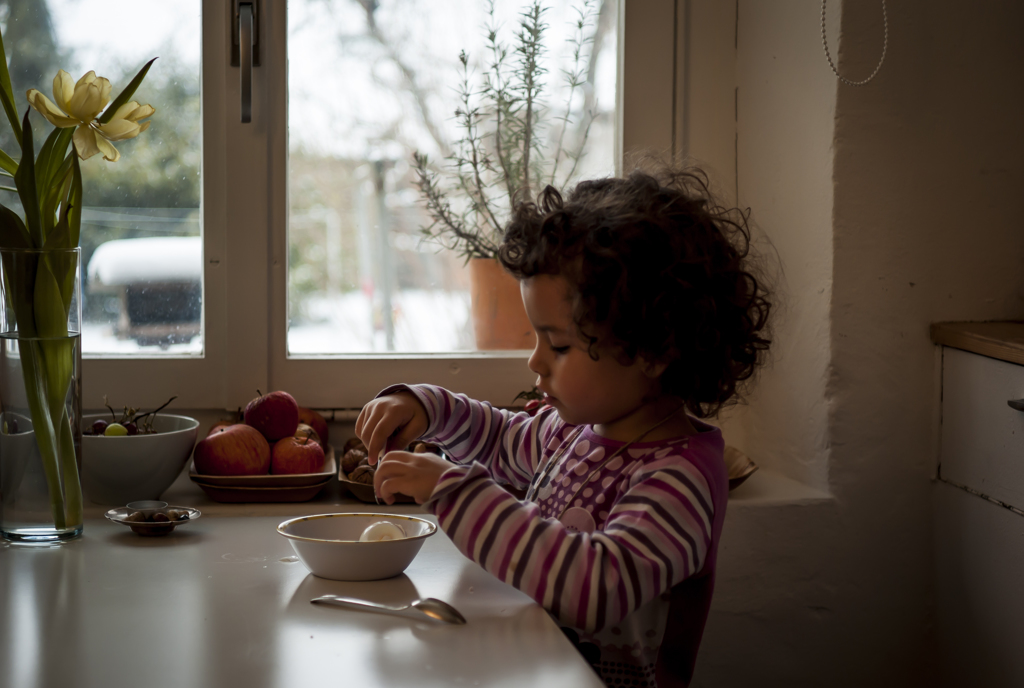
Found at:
<point>133,454</point>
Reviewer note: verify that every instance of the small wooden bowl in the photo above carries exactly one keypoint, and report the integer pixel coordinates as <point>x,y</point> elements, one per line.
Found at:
<point>364,492</point>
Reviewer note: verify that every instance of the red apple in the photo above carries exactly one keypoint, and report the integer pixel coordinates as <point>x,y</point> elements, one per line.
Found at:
<point>304,431</point>
<point>275,415</point>
<point>315,421</point>
<point>296,455</point>
<point>234,450</point>
<point>220,425</point>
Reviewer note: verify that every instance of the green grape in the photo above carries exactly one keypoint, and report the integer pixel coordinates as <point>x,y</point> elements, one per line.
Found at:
<point>115,430</point>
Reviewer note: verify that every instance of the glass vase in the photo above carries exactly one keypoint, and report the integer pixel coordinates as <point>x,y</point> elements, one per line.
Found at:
<point>40,394</point>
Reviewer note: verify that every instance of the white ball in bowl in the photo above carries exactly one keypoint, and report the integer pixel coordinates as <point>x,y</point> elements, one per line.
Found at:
<point>328,544</point>
<point>382,530</point>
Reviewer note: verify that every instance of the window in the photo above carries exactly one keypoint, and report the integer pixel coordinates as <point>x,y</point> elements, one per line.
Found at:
<point>258,308</point>
<point>141,232</point>
<point>361,276</point>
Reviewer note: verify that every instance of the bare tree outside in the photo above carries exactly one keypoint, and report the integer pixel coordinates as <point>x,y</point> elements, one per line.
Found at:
<point>361,276</point>
<point>371,82</point>
<point>154,191</point>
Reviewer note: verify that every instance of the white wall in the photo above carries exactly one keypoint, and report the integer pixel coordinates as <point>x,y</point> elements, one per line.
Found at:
<point>786,107</point>
<point>892,206</point>
<point>929,167</point>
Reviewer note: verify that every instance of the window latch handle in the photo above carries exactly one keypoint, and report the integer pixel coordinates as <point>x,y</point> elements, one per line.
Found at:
<point>245,49</point>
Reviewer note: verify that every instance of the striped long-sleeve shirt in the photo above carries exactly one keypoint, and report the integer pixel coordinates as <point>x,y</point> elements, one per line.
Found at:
<point>628,566</point>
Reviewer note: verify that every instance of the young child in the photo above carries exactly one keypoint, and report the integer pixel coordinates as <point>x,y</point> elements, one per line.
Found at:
<point>647,317</point>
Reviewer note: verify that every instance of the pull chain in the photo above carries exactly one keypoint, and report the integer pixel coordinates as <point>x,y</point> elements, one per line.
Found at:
<point>885,44</point>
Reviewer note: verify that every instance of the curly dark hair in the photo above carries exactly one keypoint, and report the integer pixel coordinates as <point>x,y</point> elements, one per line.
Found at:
<point>658,270</point>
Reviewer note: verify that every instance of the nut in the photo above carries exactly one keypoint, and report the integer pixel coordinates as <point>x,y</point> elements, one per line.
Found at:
<point>354,443</point>
<point>363,474</point>
<point>351,459</point>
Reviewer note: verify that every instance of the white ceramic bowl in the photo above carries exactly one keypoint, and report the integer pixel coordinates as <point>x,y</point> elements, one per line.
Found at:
<point>118,470</point>
<point>328,545</point>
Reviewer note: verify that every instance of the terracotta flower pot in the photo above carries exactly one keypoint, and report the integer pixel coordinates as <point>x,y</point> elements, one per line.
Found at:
<point>499,317</point>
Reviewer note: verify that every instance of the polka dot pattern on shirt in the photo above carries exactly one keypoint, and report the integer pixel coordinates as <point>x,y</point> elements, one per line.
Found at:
<point>571,478</point>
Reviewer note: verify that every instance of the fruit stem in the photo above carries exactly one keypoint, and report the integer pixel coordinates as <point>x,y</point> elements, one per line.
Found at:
<point>158,409</point>
<point>113,416</point>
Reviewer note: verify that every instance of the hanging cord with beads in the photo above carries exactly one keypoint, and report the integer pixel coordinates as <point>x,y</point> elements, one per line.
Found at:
<point>885,44</point>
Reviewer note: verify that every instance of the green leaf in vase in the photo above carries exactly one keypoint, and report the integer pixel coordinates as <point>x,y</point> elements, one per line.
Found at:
<point>57,366</point>
<point>13,233</point>
<point>43,159</point>
<point>62,265</point>
<point>25,180</point>
<point>55,191</point>
<point>19,285</point>
<point>45,431</point>
<point>51,320</point>
<point>125,95</point>
<point>74,202</point>
<point>8,164</point>
<point>52,168</point>
<point>60,236</point>
<point>7,94</point>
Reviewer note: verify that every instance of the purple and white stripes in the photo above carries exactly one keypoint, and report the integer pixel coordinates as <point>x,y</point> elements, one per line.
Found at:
<point>652,513</point>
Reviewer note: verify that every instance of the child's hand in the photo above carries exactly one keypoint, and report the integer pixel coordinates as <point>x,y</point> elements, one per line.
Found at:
<point>391,421</point>
<point>410,474</point>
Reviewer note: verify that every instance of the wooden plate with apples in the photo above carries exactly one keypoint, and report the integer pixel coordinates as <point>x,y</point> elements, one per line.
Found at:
<point>276,452</point>
<point>327,470</point>
<point>302,493</point>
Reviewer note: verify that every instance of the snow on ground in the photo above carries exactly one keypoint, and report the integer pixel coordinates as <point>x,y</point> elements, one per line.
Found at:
<point>425,322</point>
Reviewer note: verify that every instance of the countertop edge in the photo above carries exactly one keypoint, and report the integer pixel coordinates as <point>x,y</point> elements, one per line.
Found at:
<point>1003,340</point>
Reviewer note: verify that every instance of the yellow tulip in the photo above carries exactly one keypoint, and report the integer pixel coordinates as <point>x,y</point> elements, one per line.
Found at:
<point>79,105</point>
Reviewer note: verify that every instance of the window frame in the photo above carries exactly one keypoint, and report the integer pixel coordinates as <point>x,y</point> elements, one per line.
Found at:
<point>147,381</point>
<point>245,215</point>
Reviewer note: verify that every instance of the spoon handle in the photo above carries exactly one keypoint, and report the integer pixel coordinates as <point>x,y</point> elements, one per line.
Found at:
<point>353,603</point>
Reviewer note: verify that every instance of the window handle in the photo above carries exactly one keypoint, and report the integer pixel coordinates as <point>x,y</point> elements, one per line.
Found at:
<point>245,49</point>
<point>1016,404</point>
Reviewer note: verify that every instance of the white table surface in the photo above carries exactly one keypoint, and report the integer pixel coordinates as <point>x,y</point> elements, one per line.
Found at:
<point>222,602</point>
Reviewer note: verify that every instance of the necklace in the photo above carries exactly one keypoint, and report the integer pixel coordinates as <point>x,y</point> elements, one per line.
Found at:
<point>535,486</point>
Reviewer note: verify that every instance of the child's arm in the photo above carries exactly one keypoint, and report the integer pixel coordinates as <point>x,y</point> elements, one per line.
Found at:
<point>508,444</point>
<point>655,536</point>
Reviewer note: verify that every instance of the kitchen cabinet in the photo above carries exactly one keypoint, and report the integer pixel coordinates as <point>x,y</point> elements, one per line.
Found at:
<point>979,504</point>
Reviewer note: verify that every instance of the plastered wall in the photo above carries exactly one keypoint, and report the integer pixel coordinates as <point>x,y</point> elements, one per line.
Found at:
<point>892,206</point>
<point>928,172</point>
<point>785,105</point>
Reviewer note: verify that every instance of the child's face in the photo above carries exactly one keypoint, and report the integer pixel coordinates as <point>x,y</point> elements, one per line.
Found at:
<point>581,389</point>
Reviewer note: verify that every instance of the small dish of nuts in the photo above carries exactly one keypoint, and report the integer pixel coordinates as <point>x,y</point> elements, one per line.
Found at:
<point>356,474</point>
<point>152,518</point>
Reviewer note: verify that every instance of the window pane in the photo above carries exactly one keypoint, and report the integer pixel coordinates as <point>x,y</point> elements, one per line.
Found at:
<point>141,226</point>
<point>369,84</point>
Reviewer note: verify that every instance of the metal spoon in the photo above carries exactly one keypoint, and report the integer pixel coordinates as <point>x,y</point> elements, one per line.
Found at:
<point>430,607</point>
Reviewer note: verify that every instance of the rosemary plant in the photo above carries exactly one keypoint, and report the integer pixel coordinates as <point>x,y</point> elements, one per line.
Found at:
<point>513,143</point>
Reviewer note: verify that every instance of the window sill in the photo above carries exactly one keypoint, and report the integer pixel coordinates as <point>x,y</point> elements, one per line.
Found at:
<point>771,488</point>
